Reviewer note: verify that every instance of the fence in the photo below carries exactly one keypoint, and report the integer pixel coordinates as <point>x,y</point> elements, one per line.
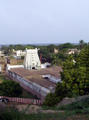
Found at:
<point>23,100</point>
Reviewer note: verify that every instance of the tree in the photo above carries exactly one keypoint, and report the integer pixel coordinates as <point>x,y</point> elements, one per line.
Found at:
<point>83,61</point>
<point>81,44</point>
<point>10,88</point>
<point>75,77</point>
<point>60,91</point>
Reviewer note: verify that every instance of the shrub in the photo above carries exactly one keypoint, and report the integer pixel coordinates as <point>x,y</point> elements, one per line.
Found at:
<point>10,88</point>
<point>51,100</point>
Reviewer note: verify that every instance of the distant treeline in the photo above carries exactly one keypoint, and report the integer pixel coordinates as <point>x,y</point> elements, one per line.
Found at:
<point>46,51</point>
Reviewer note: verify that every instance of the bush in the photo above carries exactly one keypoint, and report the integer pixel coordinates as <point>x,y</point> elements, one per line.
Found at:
<point>10,88</point>
<point>60,91</point>
<point>51,100</point>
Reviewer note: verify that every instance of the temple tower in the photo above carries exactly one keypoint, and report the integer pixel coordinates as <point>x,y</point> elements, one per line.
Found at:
<point>31,60</point>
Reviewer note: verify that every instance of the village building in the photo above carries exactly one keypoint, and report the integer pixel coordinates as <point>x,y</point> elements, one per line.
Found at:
<point>1,53</point>
<point>73,51</point>
<point>18,53</point>
<point>45,65</point>
<point>56,51</point>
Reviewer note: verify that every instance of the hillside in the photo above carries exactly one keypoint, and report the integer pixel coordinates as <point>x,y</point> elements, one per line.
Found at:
<point>75,111</point>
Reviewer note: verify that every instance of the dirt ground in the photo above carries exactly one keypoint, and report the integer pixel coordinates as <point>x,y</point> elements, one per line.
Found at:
<point>29,109</point>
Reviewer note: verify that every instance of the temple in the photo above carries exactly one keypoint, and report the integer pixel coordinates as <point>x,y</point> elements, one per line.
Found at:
<point>32,60</point>
<point>33,76</point>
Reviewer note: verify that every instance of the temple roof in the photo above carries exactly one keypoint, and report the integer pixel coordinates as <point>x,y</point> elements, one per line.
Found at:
<point>36,75</point>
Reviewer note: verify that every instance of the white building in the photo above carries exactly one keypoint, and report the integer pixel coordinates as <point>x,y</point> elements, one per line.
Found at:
<point>1,53</point>
<point>18,53</point>
<point>32,60</point>
<point>56,51</point>
<point>73,51</point>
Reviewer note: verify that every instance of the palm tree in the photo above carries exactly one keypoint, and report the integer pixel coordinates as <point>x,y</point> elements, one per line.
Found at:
<point>81,42</point>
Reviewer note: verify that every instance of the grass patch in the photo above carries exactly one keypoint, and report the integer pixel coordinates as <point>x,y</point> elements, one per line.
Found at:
<point>49,108</point>
<point>77,107</point>
<point>15,115</point>
<point>74,108</point>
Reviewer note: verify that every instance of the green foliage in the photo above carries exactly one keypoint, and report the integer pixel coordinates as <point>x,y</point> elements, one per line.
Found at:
<point>51,99</point>
<point>58,59</point>
<point>75,76</point>
<point>82,44</point>
<point>70,112</point>
<point>60,91</point>
<point>66,46</point>
<point>10,88</point>
<point>15,115</point>
<point>79,106</point>
<point>2,78</point>
<point>47,52</point>
<point>11,114</point>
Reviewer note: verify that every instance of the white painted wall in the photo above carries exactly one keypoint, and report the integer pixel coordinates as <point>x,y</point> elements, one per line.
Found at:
<point>0,68</point>
<point>14,66</point>
<point>1,53</point>
<point>20,53</point>
<point>52,78</point>
<point>34,86</point>
<point>45,65</point>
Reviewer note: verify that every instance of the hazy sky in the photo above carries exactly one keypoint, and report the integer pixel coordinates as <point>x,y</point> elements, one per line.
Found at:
<point>43,21</point>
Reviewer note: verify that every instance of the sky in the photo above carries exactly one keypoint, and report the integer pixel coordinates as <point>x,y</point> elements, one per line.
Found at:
<point>43,21</point>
